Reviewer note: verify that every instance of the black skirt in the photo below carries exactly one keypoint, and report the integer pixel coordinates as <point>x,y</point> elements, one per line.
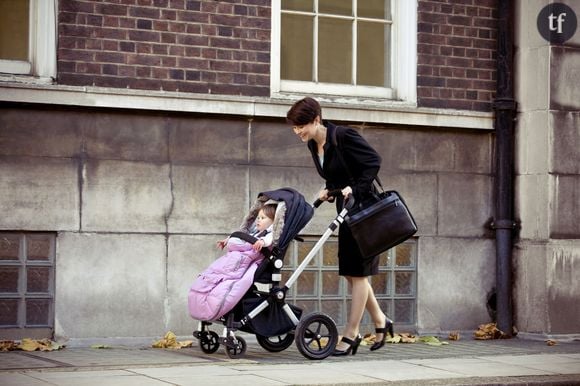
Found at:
<point>350,260</point>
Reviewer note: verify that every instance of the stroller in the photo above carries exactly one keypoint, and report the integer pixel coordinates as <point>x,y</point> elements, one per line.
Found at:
<point>275,323</point>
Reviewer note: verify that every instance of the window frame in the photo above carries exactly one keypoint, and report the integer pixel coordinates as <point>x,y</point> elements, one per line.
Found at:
<point>41,63</point>
<point>403,64</point>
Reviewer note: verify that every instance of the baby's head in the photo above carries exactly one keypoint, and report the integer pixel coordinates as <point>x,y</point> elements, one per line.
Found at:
<point>265,217</point>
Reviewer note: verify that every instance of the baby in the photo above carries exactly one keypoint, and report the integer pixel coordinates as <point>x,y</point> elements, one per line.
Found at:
<point>263,231</point>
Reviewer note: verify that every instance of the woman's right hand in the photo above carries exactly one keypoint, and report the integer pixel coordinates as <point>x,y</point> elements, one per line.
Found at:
<point>323,195</point>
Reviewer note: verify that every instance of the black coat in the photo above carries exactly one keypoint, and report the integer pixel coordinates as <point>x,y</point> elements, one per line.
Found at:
<point>362,161</point>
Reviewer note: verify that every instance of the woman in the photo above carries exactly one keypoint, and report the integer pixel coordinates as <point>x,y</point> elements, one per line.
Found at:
<point>352,171</point>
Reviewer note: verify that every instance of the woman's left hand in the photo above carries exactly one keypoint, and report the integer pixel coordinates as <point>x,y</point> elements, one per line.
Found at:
<point>347,192</point>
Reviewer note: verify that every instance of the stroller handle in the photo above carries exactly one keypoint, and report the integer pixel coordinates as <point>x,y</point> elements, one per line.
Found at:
<point>349,203</point>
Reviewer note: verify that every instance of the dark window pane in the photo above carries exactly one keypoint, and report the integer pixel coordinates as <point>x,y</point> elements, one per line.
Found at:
<point>9,279</point>
<point>37,312</point>
<point>296,47</point>
<point>307,305</point>
<point>8,312</point>
<point>38,279</point>
<point>372,63</point>
<point>298,5</point>
<point>306,284</point>
<point>330,283</point>
<point>303,250</point>
<point>376,9</point>
<point>335,7</point>
<point>38,247</point>
<point>405,256</point>
<point>335,309</point>
<point>14,30</point>
<point>380,283</point>
<point>335,51</point>
<point>330,258</point>
<point>9,246</point>
<point>404,311</point>
<point>404,283</point>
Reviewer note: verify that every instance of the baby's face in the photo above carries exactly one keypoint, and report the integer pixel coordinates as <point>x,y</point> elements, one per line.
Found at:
<point>262,221</point>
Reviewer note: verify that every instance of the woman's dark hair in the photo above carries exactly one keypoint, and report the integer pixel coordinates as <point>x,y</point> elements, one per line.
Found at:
<point>303,112</point>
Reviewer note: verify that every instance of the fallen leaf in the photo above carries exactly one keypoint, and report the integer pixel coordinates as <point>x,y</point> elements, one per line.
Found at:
<point>551,342</point>
<point>432,341</point>
<point>454,335</point>
<point>8,345</point>
<point>488,331</point>
<point>100,346</point>
<point>170,341</point>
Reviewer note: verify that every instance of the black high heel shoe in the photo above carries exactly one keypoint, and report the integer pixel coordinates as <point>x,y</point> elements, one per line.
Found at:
<point>352,346</point>
<point>388,328</point>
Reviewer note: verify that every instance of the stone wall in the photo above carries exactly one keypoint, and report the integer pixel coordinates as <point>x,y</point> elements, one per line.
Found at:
<point>547,255</point>
<point>138,200</point>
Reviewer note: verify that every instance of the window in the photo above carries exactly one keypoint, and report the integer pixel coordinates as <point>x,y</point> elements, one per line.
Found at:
<point>28,38</point>
<point>344,48</point>
<point>26,283</point>
<point>319,288</point>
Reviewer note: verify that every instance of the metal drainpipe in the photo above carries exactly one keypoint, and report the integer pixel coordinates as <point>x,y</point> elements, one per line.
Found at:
<point>505,110</point>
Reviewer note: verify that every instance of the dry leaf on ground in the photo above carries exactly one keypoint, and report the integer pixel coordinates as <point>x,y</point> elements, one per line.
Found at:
<point>488,331</point>
<point>170,341</point>
<point>432,341</point>
<point>551,342</point>
<point>454,335</point>
<point>37,345</point>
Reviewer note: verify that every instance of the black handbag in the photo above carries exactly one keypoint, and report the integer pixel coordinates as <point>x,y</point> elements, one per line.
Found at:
<point>382,225</point>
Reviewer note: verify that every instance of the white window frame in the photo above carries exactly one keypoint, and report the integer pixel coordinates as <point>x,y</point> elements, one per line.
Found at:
<point>403,65</point>
<point>41,63</point>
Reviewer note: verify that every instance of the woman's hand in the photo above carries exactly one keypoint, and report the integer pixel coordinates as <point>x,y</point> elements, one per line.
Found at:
<point>323,195</point>
<point>346,192</point>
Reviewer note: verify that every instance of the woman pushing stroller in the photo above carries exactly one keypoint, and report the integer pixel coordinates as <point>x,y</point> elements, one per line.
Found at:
<point>350,167</point>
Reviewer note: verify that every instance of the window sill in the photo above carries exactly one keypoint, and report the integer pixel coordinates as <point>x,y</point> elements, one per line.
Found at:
<point>15,89</point>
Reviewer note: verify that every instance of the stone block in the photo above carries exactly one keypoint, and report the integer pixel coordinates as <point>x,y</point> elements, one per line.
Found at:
<point>565,128</point>
<point>526,30</point>
<point>188,256</point>
<point>40,133</point>
<point>532,198</point>
<point>417,150</point>
<point>208,198</point>
<point>39,195</point>
<point>565,78</point>
<point>566,208</point>
<point>126,136</point>
<point>464,205</point>
<point>123,196</point>
<point>530,296</point>
<point>110,285</point>
<point>456,277</point>
<point>531,65</point>
<point>208,140</point>
<point>274,143</point>
<point>563,266</point>
<point>534,145</point>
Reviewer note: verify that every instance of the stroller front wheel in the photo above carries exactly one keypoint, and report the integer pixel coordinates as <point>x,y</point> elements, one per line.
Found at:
<point>209,341</point>
<point>316,336</point>
<point>236,349</point>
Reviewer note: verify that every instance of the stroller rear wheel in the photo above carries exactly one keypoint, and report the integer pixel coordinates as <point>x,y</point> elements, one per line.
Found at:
<point>316,336</point>
<point>209,341</point>
<point>276,343</point>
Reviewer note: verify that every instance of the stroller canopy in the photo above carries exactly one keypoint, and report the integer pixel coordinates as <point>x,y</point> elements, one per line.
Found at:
<point>295,213</point>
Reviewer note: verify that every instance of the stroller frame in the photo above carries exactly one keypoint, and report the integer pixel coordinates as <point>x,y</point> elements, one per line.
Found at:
<point>315,334</point>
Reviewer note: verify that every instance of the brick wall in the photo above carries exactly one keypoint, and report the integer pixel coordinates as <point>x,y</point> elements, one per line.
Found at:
<point>199,46</point>
<point>456,53</point>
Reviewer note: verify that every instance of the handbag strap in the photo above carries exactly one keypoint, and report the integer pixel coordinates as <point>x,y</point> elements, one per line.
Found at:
<point>335,142</point>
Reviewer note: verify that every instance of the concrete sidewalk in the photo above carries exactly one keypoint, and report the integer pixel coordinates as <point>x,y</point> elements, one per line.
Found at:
<point>464,362</point>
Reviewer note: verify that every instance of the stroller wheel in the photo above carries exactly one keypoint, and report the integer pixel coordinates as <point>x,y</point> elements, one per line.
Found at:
<point>209,341</point>
<point>237,349</point>
<point>276,343</point>
<point>316,336</point>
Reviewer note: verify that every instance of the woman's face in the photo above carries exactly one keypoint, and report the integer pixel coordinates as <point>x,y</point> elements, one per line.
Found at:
<point>306,132</point>
<point>262,221</point>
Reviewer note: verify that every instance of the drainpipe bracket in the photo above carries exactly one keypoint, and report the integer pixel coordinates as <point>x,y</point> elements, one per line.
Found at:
<point>505,104</point>
<point>503,224</point>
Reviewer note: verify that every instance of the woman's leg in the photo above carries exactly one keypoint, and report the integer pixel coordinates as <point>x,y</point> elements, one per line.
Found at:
<point>377,315</point>
<point>360,293</point>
